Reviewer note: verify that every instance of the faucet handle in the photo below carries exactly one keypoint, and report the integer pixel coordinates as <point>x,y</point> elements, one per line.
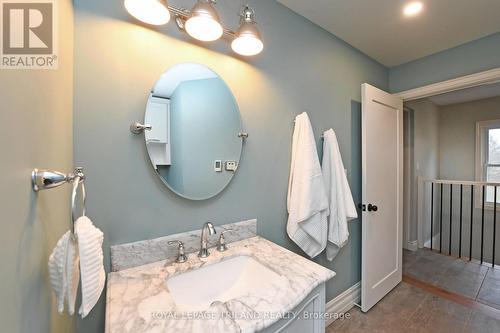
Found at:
<point>181,256</point>
<point>221,244</point>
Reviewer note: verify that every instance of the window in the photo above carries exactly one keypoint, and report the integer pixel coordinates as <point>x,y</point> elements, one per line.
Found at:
<point>488,155</point>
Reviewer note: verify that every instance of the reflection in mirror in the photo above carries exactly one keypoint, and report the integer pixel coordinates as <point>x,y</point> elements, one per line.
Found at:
<point>193,143</point>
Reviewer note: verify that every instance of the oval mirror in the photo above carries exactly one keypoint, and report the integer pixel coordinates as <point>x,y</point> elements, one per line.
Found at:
<point>194,143</point>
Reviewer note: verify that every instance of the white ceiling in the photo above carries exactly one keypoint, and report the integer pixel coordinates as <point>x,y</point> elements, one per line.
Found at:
<point>380,30</point>
<point>467,95</point>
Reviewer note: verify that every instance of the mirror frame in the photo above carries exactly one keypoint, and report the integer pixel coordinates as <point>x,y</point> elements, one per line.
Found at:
<point>239,130</point>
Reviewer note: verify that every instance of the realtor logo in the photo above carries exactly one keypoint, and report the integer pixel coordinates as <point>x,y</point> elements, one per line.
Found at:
<point>29,36</point>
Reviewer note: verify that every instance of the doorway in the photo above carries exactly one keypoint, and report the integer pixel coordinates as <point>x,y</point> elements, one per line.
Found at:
<point>452,192</point>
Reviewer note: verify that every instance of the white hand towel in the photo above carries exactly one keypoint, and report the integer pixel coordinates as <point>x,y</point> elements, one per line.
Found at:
<point>63,271</point>
<point>92,271</point>
<point>307,202</point>
<point>342,208</point>
<point>72,274</point>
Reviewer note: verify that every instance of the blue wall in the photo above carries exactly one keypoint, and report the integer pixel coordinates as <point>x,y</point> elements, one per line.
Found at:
<point>204,123</point>
<point>303,68</point>
<point>469,58</point>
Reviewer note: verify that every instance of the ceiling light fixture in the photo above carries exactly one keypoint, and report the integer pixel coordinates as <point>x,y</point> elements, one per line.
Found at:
<point>413,8</point>
<point>204,23</point>
<point>201,22</point>
<point>153,12</point>
<point>247,41</point>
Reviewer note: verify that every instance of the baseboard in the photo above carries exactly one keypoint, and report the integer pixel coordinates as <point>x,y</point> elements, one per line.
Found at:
<point>412,245</point>
<point>343,302</point>
<point>435,242</point>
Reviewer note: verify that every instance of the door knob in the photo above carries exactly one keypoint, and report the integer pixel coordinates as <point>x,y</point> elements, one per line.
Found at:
<point>372,208</point>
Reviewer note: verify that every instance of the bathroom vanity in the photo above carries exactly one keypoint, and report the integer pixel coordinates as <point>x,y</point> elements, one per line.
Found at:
<point>194,137</point>
<point>253,286</point>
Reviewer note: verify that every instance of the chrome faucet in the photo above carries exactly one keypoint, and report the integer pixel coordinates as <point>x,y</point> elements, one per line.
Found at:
<point>207,229</point>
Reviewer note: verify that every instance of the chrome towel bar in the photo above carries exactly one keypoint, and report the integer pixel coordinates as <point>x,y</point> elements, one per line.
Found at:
<point>47,179</point>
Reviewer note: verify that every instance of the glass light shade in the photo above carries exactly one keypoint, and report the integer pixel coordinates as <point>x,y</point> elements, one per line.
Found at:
<point>247,46</point>
<point>153,12</point>
<point>247,41</point>
<point>204,23</point>
<point>204,29</point>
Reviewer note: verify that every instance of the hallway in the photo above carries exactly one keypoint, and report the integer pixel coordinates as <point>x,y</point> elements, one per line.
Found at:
<point>411,309</point>
<point>467,278</point>
<point>439,293</point>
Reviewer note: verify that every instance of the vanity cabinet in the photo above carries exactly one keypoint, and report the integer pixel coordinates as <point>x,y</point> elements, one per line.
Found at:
<point>138,296</point>
<point>308,316</point>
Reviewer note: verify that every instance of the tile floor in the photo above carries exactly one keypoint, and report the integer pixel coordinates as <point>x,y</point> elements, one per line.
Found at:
<point>470,279</point>
<point>410,309</point>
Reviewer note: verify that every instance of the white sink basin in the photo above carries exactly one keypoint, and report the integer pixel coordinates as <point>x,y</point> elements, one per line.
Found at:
<point>235,277</point>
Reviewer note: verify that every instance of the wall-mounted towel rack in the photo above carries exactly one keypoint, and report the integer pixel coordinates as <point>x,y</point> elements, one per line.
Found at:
<point>47,179</point>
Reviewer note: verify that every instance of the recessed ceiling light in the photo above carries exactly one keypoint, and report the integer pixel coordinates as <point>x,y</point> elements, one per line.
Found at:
<point>413,8</point>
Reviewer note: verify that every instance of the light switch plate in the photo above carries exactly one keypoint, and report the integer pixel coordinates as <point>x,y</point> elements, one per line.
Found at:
<point>218,166</point>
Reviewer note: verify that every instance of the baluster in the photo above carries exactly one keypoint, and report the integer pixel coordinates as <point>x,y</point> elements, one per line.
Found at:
<point>451,218</point>
<point>494,227</point>
<point>471,219</point>
<point>432,212</point>
<point>441,221</point>
<point>460,231</point>
<point>482,221</point>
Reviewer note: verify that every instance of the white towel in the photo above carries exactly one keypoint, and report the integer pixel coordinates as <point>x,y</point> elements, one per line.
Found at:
<point>307,202</point>
<point>342,208</point>
<point>72,273</point>
<point>64,272</point>
<point>92,271</point>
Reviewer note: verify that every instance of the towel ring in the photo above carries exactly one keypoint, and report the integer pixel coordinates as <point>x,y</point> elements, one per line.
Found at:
<point>77,181</point>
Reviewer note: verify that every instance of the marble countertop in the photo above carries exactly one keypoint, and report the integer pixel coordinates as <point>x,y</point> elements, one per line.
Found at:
<point>138,299</point>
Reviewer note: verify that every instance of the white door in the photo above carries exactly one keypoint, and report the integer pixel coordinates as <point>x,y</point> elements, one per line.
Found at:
<point>382,181</point>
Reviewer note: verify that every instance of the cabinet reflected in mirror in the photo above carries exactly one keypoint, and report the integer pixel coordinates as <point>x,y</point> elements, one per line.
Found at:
<point>193,143</point>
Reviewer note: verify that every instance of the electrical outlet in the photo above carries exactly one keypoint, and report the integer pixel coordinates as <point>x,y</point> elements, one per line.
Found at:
<point>231,165</point>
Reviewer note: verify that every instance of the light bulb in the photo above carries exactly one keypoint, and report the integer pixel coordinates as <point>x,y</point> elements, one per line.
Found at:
<point>204,29</point>
<point>204,23</point>
<point>153,12</point>
<point>247,45</point>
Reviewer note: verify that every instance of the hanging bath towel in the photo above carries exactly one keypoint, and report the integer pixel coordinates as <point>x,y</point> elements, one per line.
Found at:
<point>92,271</point>
<point>342,208</point>
<point>64,272</point>
<point>307,202</point>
